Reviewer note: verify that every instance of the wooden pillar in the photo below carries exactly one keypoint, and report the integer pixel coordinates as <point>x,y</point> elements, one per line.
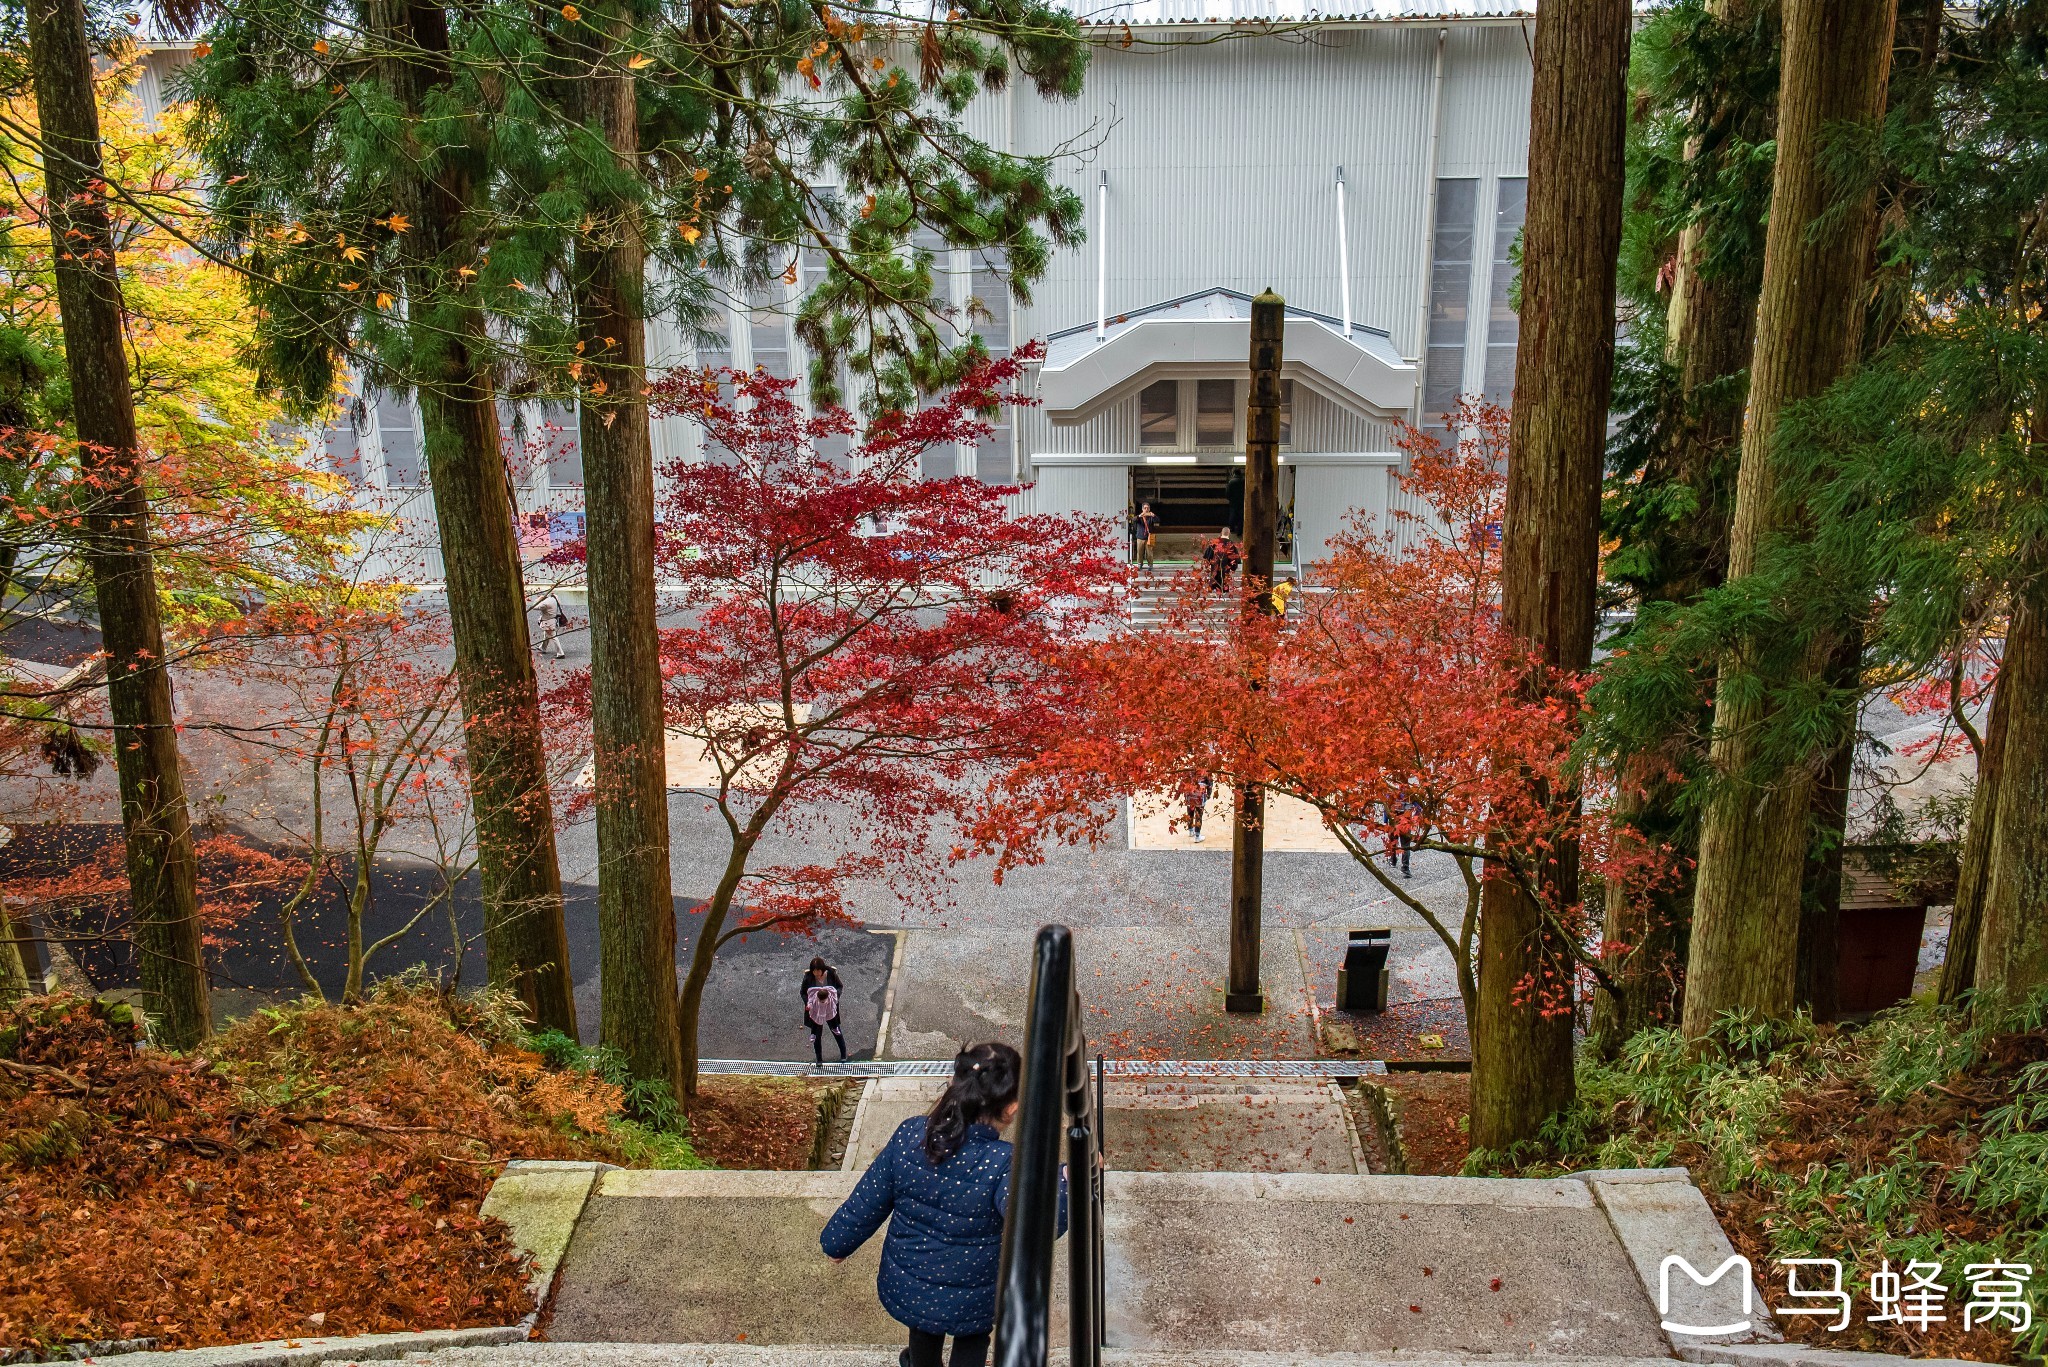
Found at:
<point>1261,531</point>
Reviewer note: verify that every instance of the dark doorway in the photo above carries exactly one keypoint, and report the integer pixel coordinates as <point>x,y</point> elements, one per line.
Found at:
<point>1194,499</point>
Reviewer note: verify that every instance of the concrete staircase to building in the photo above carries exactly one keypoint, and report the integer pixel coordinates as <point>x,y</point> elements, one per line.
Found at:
<point>1152,593</point>
<point>1203,1267</point>
<point>1308,1260</point>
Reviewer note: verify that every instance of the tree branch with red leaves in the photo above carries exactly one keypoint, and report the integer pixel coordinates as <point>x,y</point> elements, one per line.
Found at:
<point>857,640</point>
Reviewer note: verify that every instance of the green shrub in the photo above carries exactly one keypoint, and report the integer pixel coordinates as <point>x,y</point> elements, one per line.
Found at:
<point>1922,1136</point>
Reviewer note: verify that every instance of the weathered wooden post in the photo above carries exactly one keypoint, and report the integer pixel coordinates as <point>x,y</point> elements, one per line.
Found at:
<point>1261,531</point>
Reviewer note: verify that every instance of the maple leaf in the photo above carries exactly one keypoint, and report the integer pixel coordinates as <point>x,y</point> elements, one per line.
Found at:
<point>384,301</point>
<point>700,175</point>
<point>690,232</point>
<point>320,46</point>
<point>201,49</point>
<point>352,253</point>
<point>571,13</point>
<point>639,61</point>
<point>398,223</point>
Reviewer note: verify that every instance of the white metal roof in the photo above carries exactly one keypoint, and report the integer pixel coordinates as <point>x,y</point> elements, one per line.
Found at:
<point>1210,334</point>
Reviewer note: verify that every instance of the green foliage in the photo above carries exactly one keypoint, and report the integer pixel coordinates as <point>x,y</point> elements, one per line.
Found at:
<point>765,132</point>
<point>654,1132</point>
<point>1922,1136</point>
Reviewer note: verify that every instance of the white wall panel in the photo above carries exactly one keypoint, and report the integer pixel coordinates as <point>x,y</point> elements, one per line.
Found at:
<point>1326,495</point>
<point>1100,489</point>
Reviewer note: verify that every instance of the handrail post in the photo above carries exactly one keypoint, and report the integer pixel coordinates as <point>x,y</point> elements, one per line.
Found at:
<point>1024,1277</point>
<point>1083,1250</point>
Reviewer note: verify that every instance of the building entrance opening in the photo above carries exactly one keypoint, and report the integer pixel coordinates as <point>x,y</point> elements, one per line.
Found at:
<point>1195,501</point>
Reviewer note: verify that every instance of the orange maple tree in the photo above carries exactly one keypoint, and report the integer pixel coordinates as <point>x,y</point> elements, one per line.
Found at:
<point>1389,699</point>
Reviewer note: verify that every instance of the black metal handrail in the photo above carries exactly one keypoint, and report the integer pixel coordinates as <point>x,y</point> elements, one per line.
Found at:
<point>1055,1091</point>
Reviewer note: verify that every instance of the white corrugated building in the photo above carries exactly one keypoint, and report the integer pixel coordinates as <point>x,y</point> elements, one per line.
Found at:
<point>1208,152</point>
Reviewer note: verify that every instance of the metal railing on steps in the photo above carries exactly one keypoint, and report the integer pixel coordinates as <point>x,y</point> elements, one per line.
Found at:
<point>1055,1094</point>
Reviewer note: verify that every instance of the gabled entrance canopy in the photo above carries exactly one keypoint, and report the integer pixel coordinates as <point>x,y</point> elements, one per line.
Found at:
<point>1209,334</point>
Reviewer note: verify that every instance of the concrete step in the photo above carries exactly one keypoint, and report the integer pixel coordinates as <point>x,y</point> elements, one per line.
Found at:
<point>1296,1264</point>
<point>1169,1124</point>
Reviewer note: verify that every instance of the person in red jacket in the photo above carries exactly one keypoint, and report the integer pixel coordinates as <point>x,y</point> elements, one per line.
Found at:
<point>1222,557</point>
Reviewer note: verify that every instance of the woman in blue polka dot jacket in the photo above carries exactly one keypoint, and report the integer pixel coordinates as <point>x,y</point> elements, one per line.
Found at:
<point>943,1184</point>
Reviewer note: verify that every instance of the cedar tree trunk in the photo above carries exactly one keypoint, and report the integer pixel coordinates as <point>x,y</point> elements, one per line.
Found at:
<point>1714,329</point>
<point>635,911</point>
<point>526,946</point>
<point>2012,944</point>
<point>162,876</point>
<point>1564,375</point>
<point>1966,919</point>
<point>1818,985</point>
<point>1753,832</point>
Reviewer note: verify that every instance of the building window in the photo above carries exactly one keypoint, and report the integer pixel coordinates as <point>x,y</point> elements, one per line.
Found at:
<point>344,445</point>
<point>988,312</point>
<point>1503,328</point>
<point>714,352</point>
<point>398,435</point>
<point>1450,297</point>
<point>1159,414</point>
<point>769,332</point>
<point>1215,412</point>
<point>561,436</point>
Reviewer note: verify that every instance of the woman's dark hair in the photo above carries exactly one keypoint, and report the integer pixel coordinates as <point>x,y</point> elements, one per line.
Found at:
<point>818,963</point>
<point>983,1086</point>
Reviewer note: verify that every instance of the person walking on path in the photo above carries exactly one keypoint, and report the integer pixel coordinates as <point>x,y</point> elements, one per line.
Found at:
<point>1147,532</point>
<point>821,989</point>
<point>1221,556</point>
<point>1282,592</point>
<point>552,621</point>
<point>943,1184</point>
<point>1194,797</point>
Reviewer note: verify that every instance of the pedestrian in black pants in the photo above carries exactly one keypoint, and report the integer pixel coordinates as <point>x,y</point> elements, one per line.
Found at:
<point>821,989</point>
<point>942,1183</point>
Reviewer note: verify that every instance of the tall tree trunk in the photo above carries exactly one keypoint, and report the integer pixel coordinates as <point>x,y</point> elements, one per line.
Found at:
<point>2012,945</point>
<point>1713,332</point>
<point>1966,918</point>
<point>1643,931</point>
<point>635,909</point>
<point>14,972</point>
<point>1817,976</point>
<point>1259,520</point>
<point>526,946</point>
<point>162,877</point>
<point>1564,375</point>
<point>1753,831</point>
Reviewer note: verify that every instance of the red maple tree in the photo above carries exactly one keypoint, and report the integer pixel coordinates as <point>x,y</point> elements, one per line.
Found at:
<point>857,641</point>
<point>1388,699</point>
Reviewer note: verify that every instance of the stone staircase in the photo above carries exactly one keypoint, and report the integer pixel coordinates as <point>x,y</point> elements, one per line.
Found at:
<point>1152,592</point>
<point>749,1355</point>
<point>1203,1267</point>
<point>1309,1260</point>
